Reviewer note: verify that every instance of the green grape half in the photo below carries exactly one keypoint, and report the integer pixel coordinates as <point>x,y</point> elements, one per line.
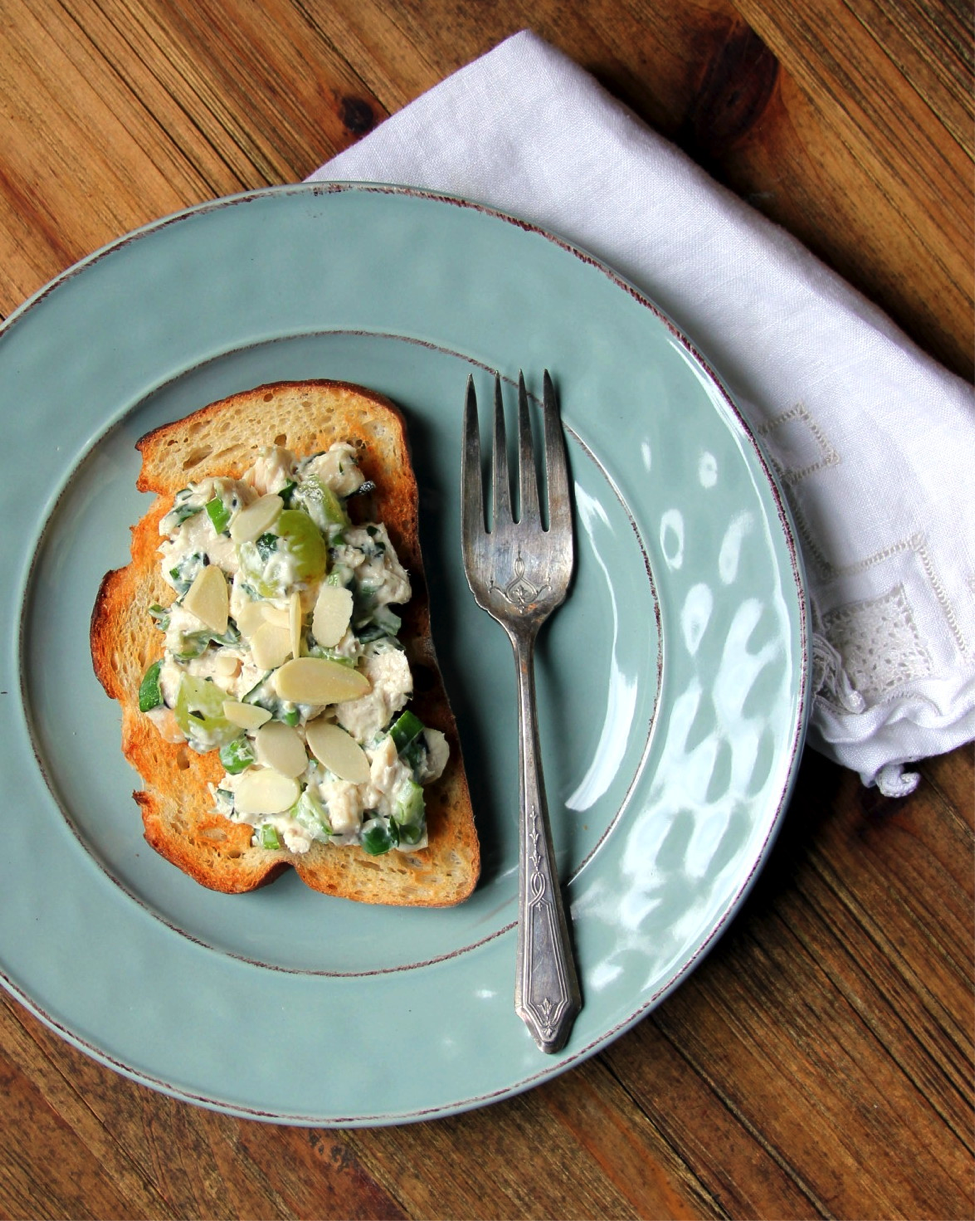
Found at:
<point>292,552</point>
<point>305,544</point>
<point>199,713</point>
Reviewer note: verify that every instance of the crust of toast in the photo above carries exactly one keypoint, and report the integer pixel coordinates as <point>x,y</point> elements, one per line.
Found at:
<point>224,439</point>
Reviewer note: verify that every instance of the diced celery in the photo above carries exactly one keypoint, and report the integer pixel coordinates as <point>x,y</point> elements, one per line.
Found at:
<point>311,814</point>
<point>377,837</point>
<point>254,695</point>
<point>405,729</point>
<point>409,805</point>
<point>320,503</point>
<point>268,837</point>
<point>238,755</point>
<point>194,644</point>
<point>262,695</point>
<point>150,694</point>
<point>191,644</point>
<point>410,835</point>
<point>219,513</point>
<point>180,511</point>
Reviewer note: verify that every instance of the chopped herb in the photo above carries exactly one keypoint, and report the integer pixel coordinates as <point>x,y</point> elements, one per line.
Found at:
<point>266,545</point>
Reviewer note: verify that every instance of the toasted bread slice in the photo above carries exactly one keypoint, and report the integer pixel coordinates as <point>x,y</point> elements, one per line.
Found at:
<point>224,439</point>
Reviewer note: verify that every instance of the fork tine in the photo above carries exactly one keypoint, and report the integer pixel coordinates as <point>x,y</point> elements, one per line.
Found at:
<point>472,495</point>
<point>527,479</point>
<point>556,466</point>
<point>499,458</point>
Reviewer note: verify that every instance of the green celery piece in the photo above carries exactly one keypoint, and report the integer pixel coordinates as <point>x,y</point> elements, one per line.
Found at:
<point>219,514</point>
<point>410,807</point>
<point>410,835</point>
<point>377,838</point>
<point>318,650</point>
<point>405,729</point>
<point>192,644</point>
<point>184,512</point>
<point>150,694</point>
<point>415,754</point>
<point>269,837</point>
<point>262,697</point>
<point>253,696</point>
<point>332,507</point>
<point>324,506</point>
<point>311,814</point>
<point>237,756</point>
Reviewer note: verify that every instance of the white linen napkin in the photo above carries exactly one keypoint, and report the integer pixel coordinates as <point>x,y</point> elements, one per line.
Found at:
<point>872,440</point>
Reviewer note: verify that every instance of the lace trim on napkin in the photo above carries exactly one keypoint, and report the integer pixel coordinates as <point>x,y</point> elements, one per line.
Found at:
<point>879,643</point>
<point>831,682</point>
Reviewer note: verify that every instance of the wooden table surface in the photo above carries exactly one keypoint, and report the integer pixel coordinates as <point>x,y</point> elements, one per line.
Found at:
<point>819,1062</point>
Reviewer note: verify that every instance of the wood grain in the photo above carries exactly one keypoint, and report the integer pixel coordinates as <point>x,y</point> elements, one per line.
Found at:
<point>819,1063</point>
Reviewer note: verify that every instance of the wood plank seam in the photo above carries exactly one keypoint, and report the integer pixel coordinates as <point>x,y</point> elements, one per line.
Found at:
<point>696,1185</point>
<point>791,1172</point>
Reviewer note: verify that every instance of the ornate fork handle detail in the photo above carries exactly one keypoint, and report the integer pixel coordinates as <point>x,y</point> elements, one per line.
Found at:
<point>519,591</point>
<point>547,996</point>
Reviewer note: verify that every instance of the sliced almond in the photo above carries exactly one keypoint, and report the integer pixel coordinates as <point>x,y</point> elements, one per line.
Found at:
<point>318,680</point>
<point>262,790</point>
<point>280,616</point>
<point>226,664</point>
<point>332,615</point>
<point>270,646</point>
<point>295,622</point>
<point>209,599</point>
<point>337,750</point>
<point>251,522</point>
<point>279,746</point>
<point>247,716</point>
<point>249,618</point>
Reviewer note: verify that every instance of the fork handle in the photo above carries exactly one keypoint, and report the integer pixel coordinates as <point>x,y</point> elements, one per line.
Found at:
<point>547,994</point>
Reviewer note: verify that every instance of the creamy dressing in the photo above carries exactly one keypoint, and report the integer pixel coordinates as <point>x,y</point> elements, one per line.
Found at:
<point>215,690</point>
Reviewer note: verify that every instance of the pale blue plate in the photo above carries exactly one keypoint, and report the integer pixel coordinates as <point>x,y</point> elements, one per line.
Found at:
<point>672,684</point>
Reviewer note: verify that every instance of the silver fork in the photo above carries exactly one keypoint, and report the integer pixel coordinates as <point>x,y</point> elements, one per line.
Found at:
<point>519,572</point>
